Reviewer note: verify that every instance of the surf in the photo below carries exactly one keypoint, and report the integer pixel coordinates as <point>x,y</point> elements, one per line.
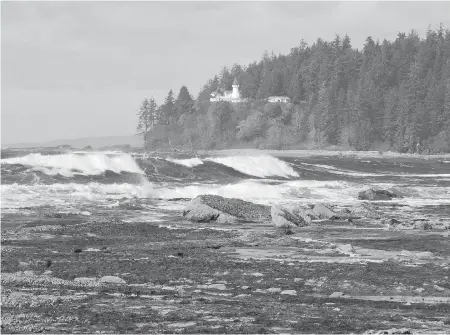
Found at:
<point>71,164</point>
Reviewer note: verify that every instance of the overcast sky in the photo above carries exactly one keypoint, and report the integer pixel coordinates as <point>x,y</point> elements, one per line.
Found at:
<point>79,69</point>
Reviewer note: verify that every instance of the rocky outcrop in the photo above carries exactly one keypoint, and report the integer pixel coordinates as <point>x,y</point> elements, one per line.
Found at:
<point>283,219</point>
<point>214,208</point>
<point>324,212</point>
<point>418,224</point>
<point>372,194</point>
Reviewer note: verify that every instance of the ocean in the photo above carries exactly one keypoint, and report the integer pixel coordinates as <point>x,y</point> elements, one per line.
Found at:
<point>157,186</point>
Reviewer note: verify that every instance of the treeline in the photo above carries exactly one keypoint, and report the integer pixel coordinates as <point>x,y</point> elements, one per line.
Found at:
<point>389,96</point>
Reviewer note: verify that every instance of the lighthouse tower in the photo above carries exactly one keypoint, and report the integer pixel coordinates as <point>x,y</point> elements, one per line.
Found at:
<point>235,94</point>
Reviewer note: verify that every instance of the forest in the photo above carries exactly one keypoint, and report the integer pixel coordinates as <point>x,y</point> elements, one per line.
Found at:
<point>390,95</point>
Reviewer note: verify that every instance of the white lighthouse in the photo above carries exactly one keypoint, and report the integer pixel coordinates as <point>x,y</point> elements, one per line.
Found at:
<point>235,94</point>
<point>231,96</point>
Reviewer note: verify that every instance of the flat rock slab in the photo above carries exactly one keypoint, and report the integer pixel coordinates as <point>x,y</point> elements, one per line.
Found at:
<point>111,280</point>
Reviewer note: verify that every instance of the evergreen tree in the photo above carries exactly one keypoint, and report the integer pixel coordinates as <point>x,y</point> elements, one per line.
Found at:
<point>146,117</point>
<point>184,102</point>
<point>168,111</point>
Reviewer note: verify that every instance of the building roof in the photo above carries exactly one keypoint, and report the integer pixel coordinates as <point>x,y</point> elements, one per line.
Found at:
<point>235,82</point>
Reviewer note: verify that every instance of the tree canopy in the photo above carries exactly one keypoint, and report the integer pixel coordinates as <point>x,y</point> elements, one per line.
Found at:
<point>391,95</point>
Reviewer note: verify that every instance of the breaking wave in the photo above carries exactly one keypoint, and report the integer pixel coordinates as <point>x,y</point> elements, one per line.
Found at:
<point>257,166</point>
<point>189,162</point>
<point>71,164</point>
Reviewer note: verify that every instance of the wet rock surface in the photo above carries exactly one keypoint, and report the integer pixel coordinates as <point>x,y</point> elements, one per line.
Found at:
<point>373,194</point>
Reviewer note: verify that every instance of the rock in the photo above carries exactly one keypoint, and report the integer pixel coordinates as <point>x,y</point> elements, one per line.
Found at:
<point>417,254</point>
<point>260,290</point>
<point>438,288</point>
<point>419,290</point>
<point>112,280</point>
<point>307,215</point>
<point>198,212</point>
<point>391,222</point>
<point>289,292</point>
<point>24,264</point>
<point>273,290</point>
<point>182,324</point>
<point>324,212</point>
<point>257,274</point>
<point>217,209</point>
<point>132,204</point>
<point>226,219</point>
<point>423,225</point>
<point>282,218</point>
<point>336,294</point>
<point>372,194</point>
<point>242,295</point>
<point>85,279</point>
<point>214,208</point>
<point>221,287</point>
<point>396,192</point>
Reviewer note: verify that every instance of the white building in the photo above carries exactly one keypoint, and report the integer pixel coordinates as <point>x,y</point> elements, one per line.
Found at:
<point>278,99</point>
<point>231,96</point>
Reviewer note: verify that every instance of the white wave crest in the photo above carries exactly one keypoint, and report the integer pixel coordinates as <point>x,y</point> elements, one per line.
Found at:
<point>190,162</point>
<point>258,166</point>
<point>71,163</point>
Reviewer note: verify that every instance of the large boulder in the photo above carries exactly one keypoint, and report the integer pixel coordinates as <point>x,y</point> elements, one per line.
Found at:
<point>199,212</point>
<point>283,219</point>
<point>324,212</point>
<point>217,209</point>
<point>372,194</point>
<point>214,208</point>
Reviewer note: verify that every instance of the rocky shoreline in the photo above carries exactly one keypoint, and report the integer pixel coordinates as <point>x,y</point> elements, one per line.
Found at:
<point>228,266</point>
<point>220,210</point>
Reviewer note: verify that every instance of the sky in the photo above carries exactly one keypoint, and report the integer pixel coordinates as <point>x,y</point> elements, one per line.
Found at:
<point>81,69</point>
